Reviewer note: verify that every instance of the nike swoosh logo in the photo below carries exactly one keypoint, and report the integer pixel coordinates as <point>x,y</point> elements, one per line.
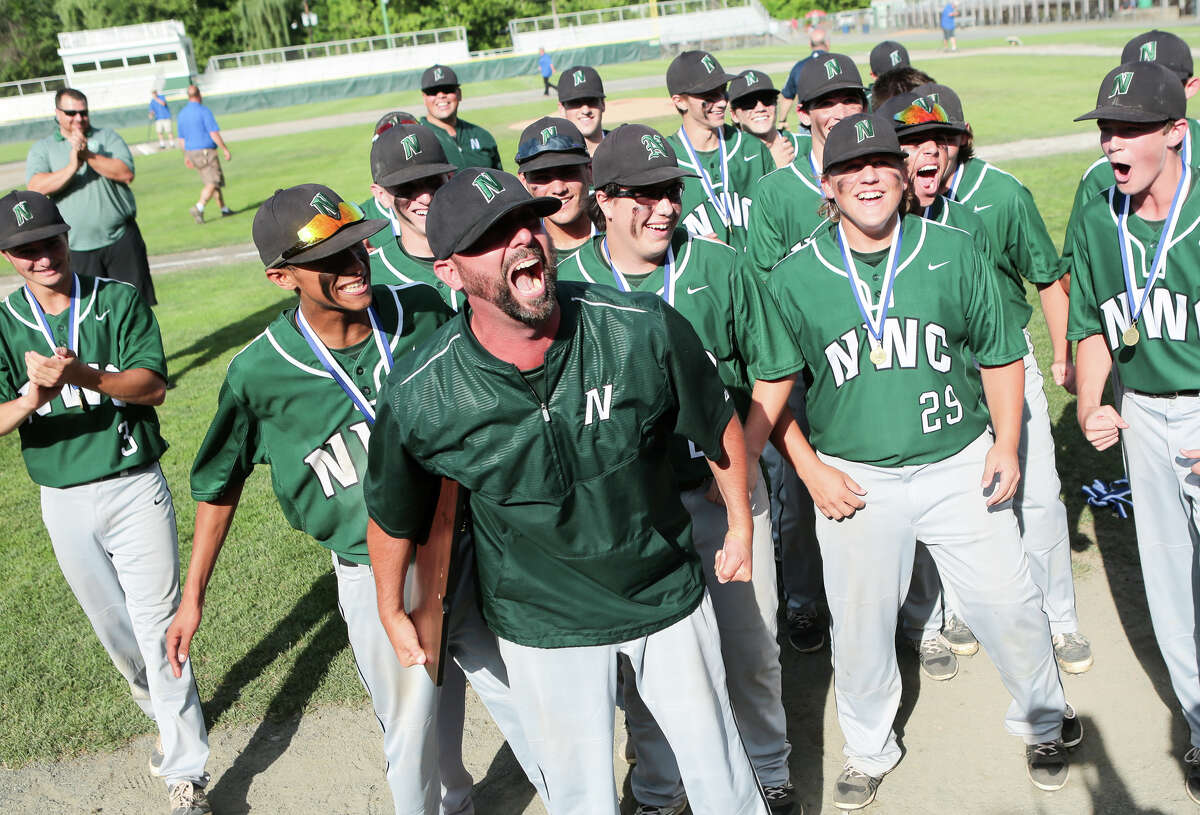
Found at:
<point>749,158</point>
<point>698,288</point>
<point>933,266</point>
<point>100,317</point>
<point>982,208</point>
<point>159,500</point>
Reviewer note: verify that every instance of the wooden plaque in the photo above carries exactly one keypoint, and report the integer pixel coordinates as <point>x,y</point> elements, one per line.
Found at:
<point>430,573</point>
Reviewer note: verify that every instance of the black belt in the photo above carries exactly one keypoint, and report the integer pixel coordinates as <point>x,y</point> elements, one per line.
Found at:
<point>1166,395</point>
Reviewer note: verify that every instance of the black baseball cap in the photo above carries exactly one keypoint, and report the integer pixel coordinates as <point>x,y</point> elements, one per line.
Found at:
<point>580,82</point>
<point>825,73</point>
<point>551,142</point>
<point>467,205</point>
<point>750,82</point>
<point>278,222</point>
<point>913,113</point>
<point>438,76</point>
<point>1162,47</point>
<point>1139,92</point>
<point>635,155</point>
<point>695,72</point>
<point>407,153</point>
<point>888,56</point>
<point>945,96</point>
<point>27,217</point>
<point>391,119</point>
<point>863,134</point>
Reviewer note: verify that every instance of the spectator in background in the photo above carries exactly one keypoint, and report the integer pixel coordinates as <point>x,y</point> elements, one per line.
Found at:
<point>547,69</point>
<point>87,171</point>
<point>949,12</point>
<point>161,114</point>
<point>199,136</point>
<point>818,42</point>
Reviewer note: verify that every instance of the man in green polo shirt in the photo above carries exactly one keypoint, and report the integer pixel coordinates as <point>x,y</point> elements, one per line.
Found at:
<point>466,144</point>
<point>87,171</point>
<point>555,405</point>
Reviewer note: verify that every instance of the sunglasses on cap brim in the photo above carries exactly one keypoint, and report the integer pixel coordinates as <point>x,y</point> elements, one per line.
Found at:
<point>393,121</point>
<point>916,114</point>
<point>555,144</point>
<point>320,228</point>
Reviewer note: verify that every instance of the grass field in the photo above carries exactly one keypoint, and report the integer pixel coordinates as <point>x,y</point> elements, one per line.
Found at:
<point>272,644</point>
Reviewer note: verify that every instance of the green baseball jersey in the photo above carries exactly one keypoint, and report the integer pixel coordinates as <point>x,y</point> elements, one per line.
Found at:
<point>81,435</point>
<point>1098,177</point>
<point>279,406</point>
<point>1167,355</point>
<point>784,214</point>
<point>470,146</point>
<point>1018,234</point>
<point>372,210</point>
<point>747,159</point>
<point>923,403</point>
<point>740,327</point>
<point>391,265</point>
<point>580,537</point>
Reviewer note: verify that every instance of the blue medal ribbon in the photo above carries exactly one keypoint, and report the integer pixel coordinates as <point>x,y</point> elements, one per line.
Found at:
<point>874,327</point>
<point>812,162</point>
<point>333,369</point>
<point>1160,254</point>
<point>44,323</point>
<point>705,179</point>
<point>955,181</point>
<point>1114,496</point>
<point>669,276</point>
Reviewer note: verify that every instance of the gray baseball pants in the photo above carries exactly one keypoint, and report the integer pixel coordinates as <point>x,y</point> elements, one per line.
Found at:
<point>565,698</point>
<point>116,544</point>
<point>868,560</point>
<point>746,619</point>
<point>1166,514</point>
<point>1042,519</point>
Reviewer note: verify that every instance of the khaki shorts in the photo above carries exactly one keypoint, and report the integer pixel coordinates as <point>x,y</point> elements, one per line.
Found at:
<point>162,126</point>
<point>208,165</point>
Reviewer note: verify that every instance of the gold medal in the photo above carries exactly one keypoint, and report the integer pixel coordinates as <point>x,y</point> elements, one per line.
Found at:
<point>879,356</point>
<point>1131,336</point>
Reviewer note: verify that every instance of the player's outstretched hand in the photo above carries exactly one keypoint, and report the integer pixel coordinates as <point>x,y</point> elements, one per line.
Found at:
<point>1195,455</point>
<point>733,560</point>
<point>180,633</point>
<point>1102,426</point>
<point>403,634</point>
<point>1001,472</point>
<point>836,494</point>
<point>1064,375</point>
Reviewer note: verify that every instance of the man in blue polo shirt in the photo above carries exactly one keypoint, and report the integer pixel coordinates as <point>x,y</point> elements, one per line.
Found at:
<point>819,43</point>
<point>949,12</point>
<point>546,67</point>
<point>161,114</point>
<point>199,136</point>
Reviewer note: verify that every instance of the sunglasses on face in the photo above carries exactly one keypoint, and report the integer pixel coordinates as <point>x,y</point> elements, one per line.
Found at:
<point>750,101</point>
<point>73,113</point>
<point>321,227</point>
<point>649,196</point>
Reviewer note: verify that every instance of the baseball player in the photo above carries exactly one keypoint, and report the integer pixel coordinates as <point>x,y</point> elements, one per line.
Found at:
<point>888,56</point>
<point>727,164</point>
<point>896,81</point>
<point>370,207</point>
<point>887,309</point>
<point>81,369</point>
<point>407,168</point>
<point>325,360</point>
<point>1134,263</point>
<point>581,102</point>
<point>752,105</point>
<point>638,189</point>
<point>465,144</point>
<point>1023,250</point>
<point>553,162</point>
<point>553,405</point>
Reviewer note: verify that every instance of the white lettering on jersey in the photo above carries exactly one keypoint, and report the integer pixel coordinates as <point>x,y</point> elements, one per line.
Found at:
<point>843,360</point>
<point>902,348</point>
<point>1166,310</point>
<point>939,360</point>
<point>1116,319</point>
<point>697,222</point>
<point>900,340</point>
<point>336,464</point>
<point>602,407</point>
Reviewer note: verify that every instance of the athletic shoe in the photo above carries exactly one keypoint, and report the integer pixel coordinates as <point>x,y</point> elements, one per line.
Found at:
<point>1191,760</point>
<point>225,212</point>
<point>673,809</point>
<point>1073,652</point>
<point>1072,731</point>
<point>156,758</point>
<point>959,637</point>
<point>188,799</point>
<point>805,631</point>
<point>937,660</point>
<point>782,800</point>
<point>854,789</point>
<point>1048,765</point>
<point>197,214</point>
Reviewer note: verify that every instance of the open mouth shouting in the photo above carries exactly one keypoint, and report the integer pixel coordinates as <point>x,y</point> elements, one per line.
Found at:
<point>527,274</point>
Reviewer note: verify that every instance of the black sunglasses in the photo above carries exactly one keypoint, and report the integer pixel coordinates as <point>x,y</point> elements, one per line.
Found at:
<point>648,196</point>
<point>73,113</point>
<point>751,100</point>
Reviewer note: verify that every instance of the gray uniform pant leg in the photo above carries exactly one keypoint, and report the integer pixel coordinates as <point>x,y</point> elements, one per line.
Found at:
<point>1166,504</point>
<point>868,561</point>
<point>799,553</point>
<point>746,619</point>
<point>565,698</point>
<point>116,544</point>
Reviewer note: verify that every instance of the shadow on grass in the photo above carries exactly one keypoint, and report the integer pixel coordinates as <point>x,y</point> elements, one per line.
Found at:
<point>229,336</point>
